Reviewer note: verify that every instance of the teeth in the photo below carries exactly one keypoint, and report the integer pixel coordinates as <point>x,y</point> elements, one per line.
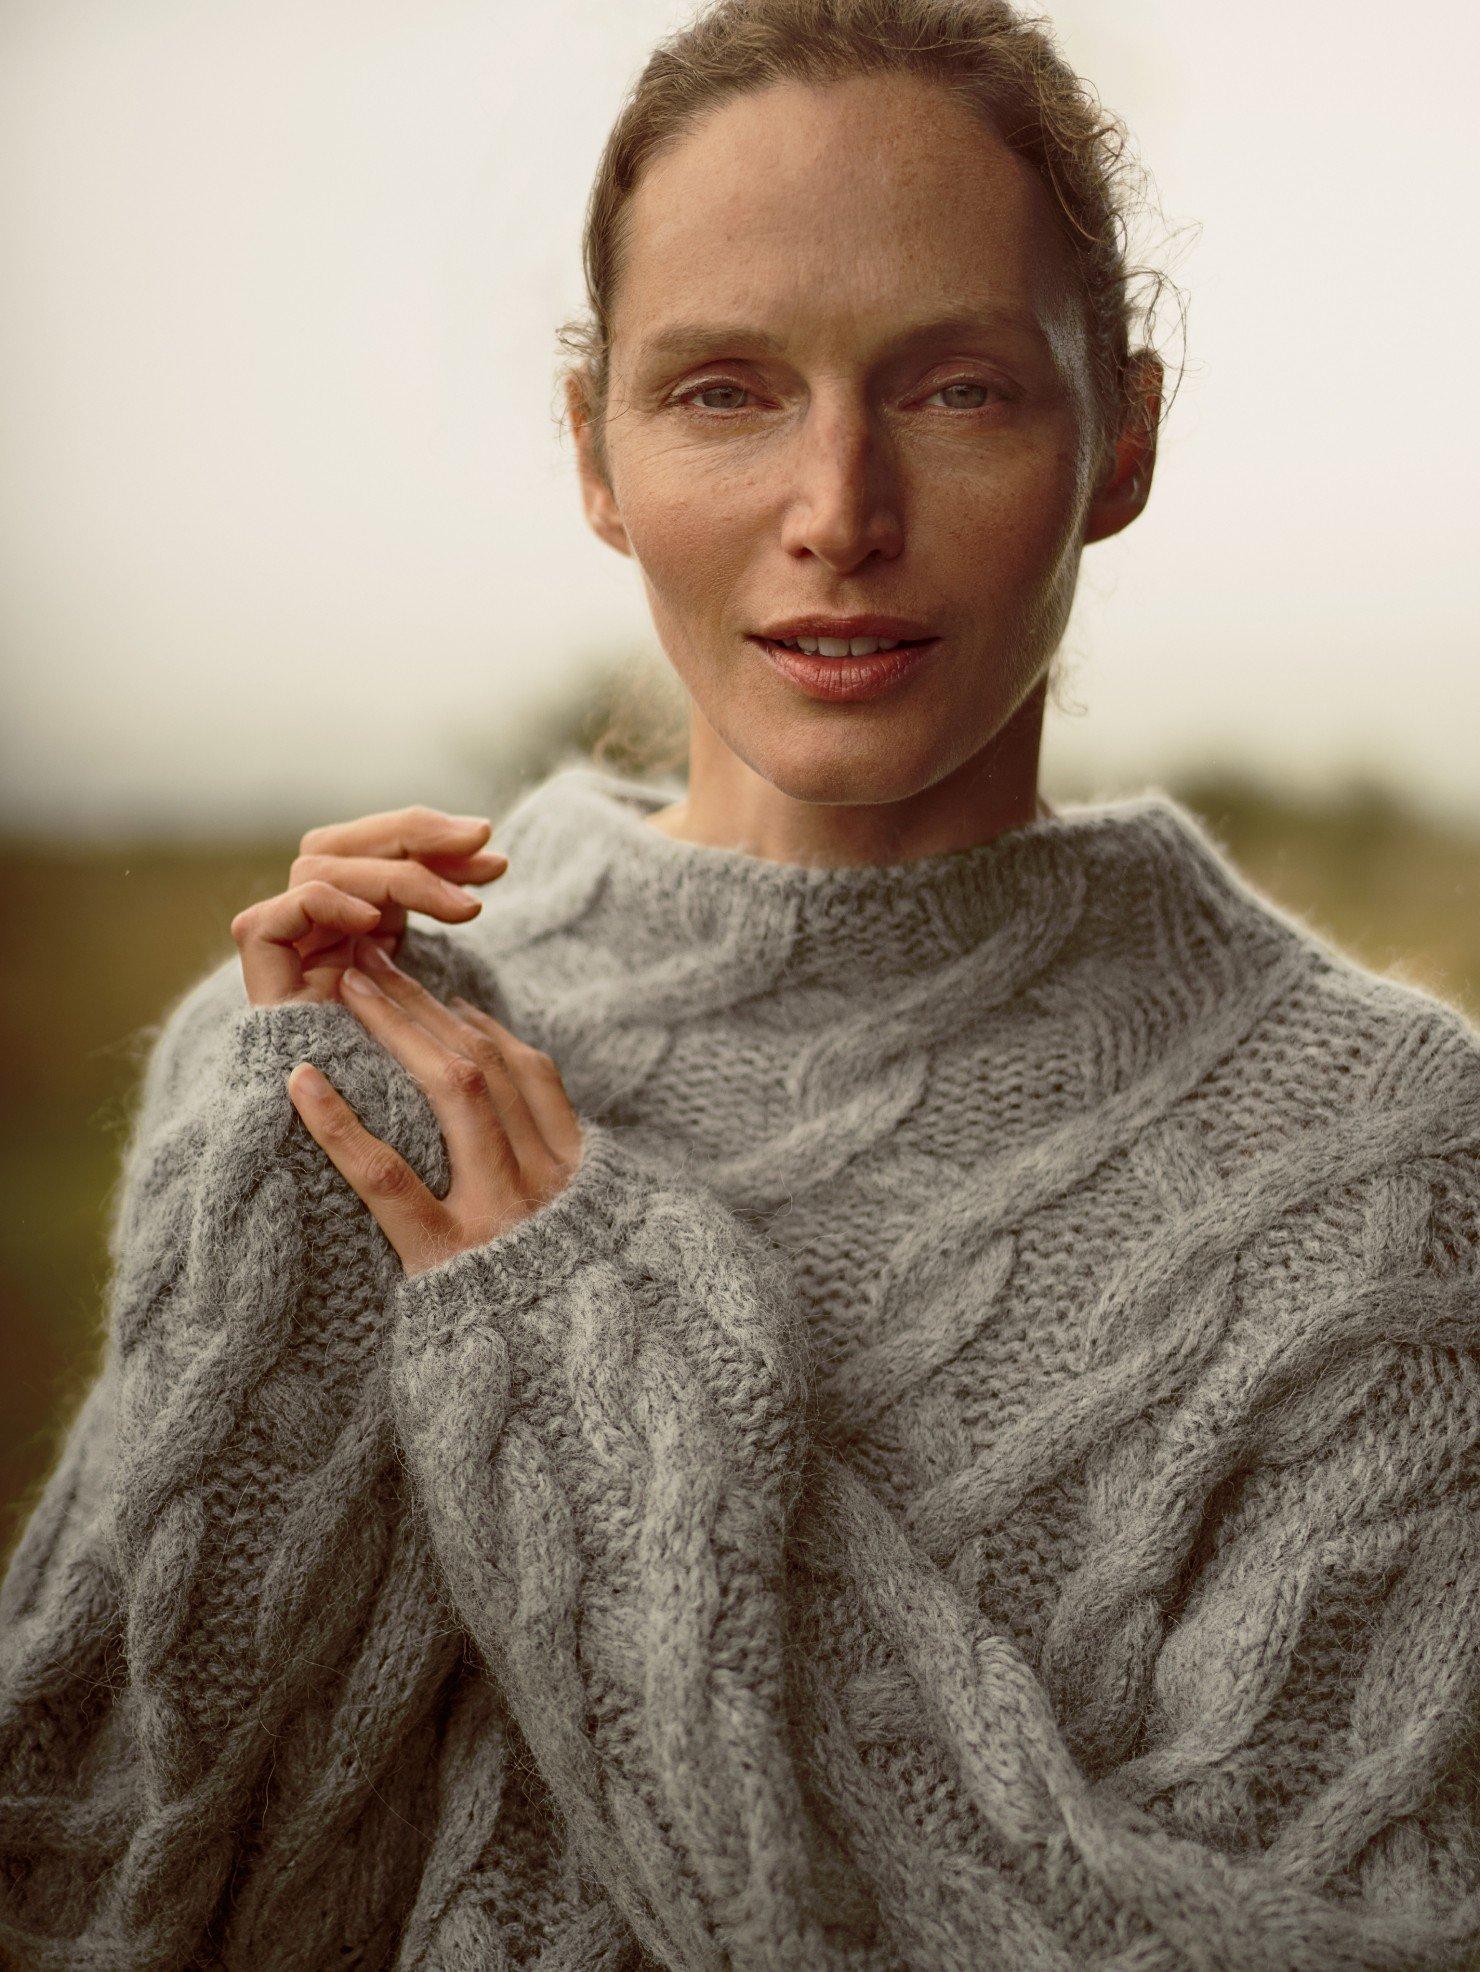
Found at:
<point>838,646</point>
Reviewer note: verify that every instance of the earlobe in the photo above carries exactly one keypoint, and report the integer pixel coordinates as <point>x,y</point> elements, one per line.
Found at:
<point>1118,503</point>
<point>614,535</point>
<point>1126,482</point>
<point>602,513</point>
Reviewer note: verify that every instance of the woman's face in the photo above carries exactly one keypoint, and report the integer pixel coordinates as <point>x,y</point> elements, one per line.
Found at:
<point>880,401</point>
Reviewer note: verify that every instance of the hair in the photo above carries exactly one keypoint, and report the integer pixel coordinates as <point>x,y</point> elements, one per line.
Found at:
<point>1004,67</point>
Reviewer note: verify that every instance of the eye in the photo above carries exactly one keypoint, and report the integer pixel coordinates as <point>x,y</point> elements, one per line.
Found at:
<point>969,383</point>
<point>703,388</point>
<point>706,386</point>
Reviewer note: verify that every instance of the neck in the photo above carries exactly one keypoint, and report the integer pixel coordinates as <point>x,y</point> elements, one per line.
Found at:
<point>729,805</point>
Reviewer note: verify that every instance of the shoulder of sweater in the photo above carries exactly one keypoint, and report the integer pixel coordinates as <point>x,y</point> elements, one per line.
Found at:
<point>1404,1042</point>
<point>1383,1177</point>
<point>1406,1045</point>
<point>1387,1164</point>
<point>191,1029</point>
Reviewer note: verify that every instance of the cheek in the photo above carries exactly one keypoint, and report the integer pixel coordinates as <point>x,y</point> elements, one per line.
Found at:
<point>690,532</point>
<point>1012,525</point>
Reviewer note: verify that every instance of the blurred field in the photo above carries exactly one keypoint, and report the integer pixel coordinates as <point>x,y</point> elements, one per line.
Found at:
<point>100,944</point>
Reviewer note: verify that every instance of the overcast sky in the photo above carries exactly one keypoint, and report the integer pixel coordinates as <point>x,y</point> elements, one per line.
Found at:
<point>286,526</point>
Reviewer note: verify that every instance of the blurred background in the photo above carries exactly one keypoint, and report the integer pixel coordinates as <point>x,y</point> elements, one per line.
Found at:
<point>289,532</point>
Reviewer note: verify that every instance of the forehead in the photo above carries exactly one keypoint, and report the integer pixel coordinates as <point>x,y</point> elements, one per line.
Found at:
<point>874,193</point>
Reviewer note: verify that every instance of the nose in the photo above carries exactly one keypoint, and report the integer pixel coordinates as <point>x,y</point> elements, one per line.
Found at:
<point>845,497</point>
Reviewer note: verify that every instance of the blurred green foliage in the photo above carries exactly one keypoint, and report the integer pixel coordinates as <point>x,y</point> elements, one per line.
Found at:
<point>104,939</point>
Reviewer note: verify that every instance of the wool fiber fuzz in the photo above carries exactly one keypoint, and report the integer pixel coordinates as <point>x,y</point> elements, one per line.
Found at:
<point>976,1472</point>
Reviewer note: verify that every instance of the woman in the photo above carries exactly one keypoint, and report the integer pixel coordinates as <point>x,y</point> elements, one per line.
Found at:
<point>860,1374</point>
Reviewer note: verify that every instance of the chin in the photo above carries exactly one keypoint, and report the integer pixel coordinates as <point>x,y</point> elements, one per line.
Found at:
<point>843,772</point>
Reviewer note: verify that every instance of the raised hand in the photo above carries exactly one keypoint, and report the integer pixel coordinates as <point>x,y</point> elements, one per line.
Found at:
<point>513,1139</point>
<point>359,879</point>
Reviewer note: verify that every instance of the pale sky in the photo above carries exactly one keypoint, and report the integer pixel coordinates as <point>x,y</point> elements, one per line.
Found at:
<point>286,525</point>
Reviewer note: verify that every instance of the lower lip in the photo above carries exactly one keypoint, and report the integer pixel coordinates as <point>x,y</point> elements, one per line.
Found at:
<point>846,678</point>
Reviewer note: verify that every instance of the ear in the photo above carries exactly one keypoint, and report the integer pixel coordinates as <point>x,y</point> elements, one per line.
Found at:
<point>1125,480</point>
<point>596,495</point>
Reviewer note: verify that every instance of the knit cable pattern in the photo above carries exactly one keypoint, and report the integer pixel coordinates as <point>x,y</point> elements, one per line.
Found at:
<point>977,1469</point>
<point>222,1532</point>
<point>634,1473</point>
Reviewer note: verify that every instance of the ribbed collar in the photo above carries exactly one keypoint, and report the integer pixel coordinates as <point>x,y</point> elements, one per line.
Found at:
<point>1140,868</point>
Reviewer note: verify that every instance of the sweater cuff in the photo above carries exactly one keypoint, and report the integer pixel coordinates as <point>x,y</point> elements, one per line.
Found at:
<point>269,1041</point>
<point>513,1272</point>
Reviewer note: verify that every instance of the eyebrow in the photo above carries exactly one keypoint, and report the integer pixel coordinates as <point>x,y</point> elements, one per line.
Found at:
<point>682,338</point>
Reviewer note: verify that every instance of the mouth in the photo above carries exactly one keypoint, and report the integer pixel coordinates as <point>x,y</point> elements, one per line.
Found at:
<point>848,677</point>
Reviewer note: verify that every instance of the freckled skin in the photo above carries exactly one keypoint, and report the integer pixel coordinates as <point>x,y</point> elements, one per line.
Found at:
<point>834,476</point>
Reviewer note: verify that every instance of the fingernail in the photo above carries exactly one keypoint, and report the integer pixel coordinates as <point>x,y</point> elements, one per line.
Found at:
<point>356,981</point>
<point>376,960</point>
<point>310,1081</point>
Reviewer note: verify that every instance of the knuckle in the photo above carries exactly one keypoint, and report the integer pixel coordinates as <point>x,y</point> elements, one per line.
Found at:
<point>306,867</point>
<point>462,1076</point>
<point>421,814</point>
<point>489,1056</point>
<point>386,1173</point>
<point>313,839</point>
<point>338,1127</point>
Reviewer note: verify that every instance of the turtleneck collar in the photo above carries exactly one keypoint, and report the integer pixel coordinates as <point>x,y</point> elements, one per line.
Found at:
<point>1141,867</point>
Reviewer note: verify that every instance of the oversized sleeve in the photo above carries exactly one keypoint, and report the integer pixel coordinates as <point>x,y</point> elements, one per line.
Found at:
<point>777,1731</point>
<point>208,1588</point>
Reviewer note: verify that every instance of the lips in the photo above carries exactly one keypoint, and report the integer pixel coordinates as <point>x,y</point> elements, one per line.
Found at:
<point>839,679</point>
<point>888,629</point>
<point>899,643</point>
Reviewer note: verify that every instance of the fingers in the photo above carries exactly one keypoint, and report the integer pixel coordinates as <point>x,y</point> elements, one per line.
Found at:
<point>400,832</point>
<point>527,1090</point>
<point>403,859</point>
<point>540,1081</point>
<point>489,1091</point>
<point>409,994</point>
<point>381,878</point>
<point>266,934</point>
<point>492,1138</point>
<point>477,866</point>
<point>411,1217</point>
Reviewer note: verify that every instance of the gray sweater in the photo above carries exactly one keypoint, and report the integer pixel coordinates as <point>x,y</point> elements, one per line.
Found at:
<point>976,1470</point>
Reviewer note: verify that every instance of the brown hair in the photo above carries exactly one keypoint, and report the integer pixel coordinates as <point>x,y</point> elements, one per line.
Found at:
<point>1002,66</point>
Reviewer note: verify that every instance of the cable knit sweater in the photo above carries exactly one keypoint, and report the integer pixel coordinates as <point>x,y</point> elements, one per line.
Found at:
<point>976,1469</point>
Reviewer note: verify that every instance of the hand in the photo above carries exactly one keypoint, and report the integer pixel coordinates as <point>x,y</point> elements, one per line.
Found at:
<point>359,878</point>
<point>512,1138</point>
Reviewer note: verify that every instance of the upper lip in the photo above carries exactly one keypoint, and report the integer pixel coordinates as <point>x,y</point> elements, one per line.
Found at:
<point>895,629</point>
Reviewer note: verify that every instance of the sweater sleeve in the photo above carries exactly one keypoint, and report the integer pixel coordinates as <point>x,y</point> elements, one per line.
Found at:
<point>776,1730</point>
<point>1315,1697</point>
<point>220,1532</point>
